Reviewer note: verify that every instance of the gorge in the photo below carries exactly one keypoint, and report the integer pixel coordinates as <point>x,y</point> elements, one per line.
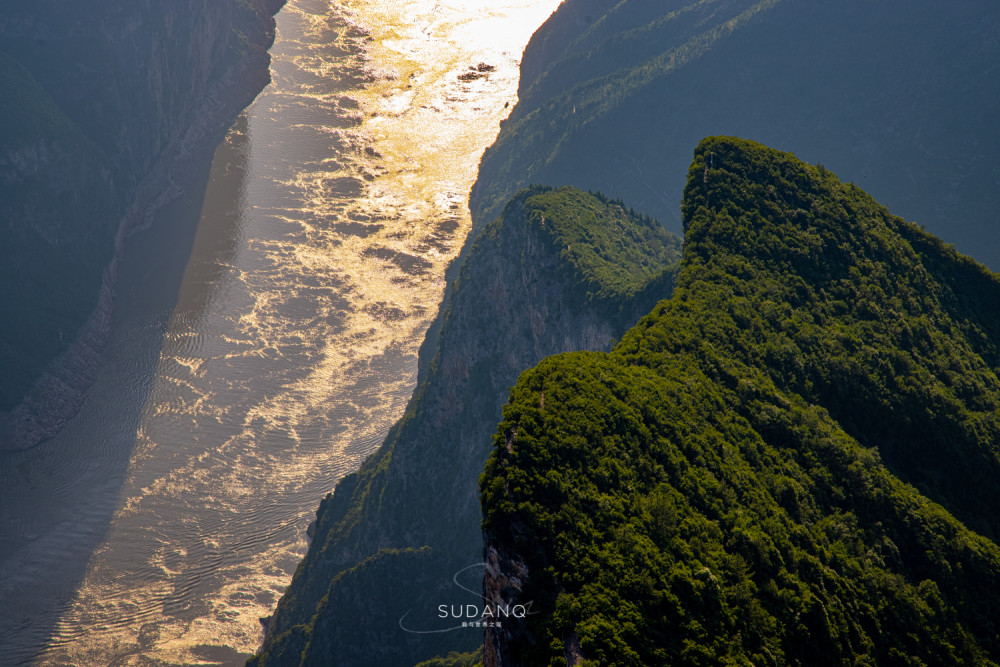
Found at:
<point>103,123</point>
<point>612,97</point>
<point>291,350</point>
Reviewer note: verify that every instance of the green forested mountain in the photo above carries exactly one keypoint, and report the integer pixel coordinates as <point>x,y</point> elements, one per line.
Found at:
<point>559,270</point>
<point>793,460</point>
<point>899,98</point>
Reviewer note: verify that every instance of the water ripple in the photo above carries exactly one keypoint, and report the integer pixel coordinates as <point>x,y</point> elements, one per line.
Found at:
<point>333,208</point>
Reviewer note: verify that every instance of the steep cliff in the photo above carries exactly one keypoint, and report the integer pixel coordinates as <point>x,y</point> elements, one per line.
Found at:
<point>558,270</point>
<point>104,105</point>
<point>613,94</point>
<point>794,460</point>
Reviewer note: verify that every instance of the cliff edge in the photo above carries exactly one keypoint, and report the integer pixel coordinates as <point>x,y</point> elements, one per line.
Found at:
<point>559,270</point>
<point>613,94</point>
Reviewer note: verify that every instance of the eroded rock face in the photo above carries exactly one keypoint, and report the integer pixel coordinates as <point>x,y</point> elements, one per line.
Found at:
<point>503,578</point>
<point>106,105</point>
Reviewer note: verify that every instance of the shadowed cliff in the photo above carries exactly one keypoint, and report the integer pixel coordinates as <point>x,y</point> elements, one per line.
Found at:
<point>105,105</point>
<point>558,270</point>
<point>899,100</point>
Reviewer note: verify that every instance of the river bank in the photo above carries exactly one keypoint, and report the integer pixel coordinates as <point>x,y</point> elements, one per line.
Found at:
<point>59,392</point>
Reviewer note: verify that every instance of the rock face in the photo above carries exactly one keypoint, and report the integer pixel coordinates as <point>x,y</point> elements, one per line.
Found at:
<point>558,270</point>
<point>793,460</point>
<point>104,105</point>
<point>614,94</point>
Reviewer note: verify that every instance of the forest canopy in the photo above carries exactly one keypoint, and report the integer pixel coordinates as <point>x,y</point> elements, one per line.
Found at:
<point>793,460</point>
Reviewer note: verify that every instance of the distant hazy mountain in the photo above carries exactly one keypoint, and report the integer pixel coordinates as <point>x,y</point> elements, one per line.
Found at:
<point>900,98</point>
<point>793,461</point>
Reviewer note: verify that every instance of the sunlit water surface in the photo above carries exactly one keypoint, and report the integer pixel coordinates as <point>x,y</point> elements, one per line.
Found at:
<point>223,414</point>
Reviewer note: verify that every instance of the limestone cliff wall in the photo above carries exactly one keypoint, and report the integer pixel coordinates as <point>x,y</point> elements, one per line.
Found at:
<point>389,541</point>
<point>614,93</point>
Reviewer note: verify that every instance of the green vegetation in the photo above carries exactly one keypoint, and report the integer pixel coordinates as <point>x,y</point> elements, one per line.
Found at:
<point>455,659</point>
<point>560,269</point>
<point>611,252</point>
<point>785,463</point>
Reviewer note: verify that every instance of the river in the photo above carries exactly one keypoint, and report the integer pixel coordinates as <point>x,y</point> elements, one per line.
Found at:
<point>264,339</point>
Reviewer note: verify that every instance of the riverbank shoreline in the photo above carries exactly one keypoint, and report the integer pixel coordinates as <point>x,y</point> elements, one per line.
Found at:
<point>58,393</point>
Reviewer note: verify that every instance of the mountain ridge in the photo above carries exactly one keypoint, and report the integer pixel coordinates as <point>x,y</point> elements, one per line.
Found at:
<point>691,498</point>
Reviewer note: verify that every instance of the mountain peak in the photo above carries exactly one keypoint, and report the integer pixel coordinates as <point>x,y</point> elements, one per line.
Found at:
<point>788,462</point>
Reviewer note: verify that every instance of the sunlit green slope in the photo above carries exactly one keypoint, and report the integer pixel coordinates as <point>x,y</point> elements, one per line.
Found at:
<point>794,460</point>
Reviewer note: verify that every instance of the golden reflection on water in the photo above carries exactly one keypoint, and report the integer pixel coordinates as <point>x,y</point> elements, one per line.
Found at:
<point>334,207</point>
